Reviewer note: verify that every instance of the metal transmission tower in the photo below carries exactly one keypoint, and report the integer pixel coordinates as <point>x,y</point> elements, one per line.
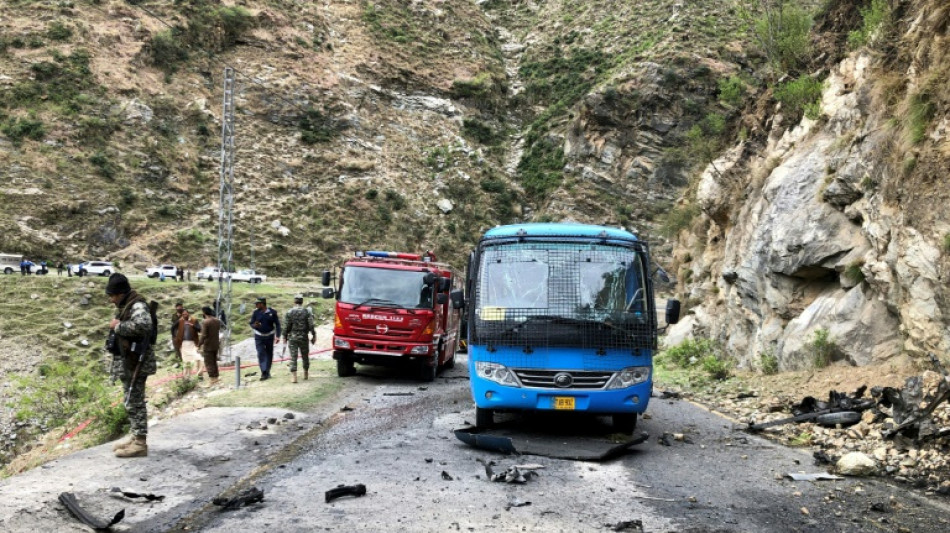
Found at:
<point>226,221</point>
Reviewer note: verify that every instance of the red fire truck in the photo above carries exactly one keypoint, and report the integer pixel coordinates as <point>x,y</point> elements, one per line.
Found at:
<point>394,308</point>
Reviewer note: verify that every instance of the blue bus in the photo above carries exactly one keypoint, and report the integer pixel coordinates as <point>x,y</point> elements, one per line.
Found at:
<point>561,317</point>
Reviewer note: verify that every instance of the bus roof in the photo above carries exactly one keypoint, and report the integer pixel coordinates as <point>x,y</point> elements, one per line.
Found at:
<point>564,229</point>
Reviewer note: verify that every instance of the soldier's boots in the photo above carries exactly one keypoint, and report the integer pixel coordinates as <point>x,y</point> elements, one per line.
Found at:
<point>122,443</point>
<point>136,448</point>
<point>293,377</point>
<point>306,374</point>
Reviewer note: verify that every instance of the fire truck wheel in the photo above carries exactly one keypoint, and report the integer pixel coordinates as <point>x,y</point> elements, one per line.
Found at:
<point>427,371</point>
<point>450,364</point>
<point>345,368</point>
<point>625,422</point>
<point>484,418</point>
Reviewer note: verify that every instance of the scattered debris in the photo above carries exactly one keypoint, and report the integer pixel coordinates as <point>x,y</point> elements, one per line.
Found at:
<point>668,395</point>
<point>573,447</point>
<point>68,499</point>
<point>514,474</point>
<point>133,495</point>
<point>880,507</point>
<point>247,497</point>
<point>289,416</point>
<point>250,374</point>
<point>665,439</point>
<point>399,394</point>
<point>345,490</point>
<point>811,409</point>
<point>822,458</point>
<point>627,525</point>
<point>515,502</point>
<point>820,476</point>
<point>912,419</point>
<point>446,476</point>
<point>345,408</point>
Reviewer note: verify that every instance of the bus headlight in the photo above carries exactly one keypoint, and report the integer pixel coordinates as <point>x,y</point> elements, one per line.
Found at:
<point>628,377</point>
<point>497,373</point>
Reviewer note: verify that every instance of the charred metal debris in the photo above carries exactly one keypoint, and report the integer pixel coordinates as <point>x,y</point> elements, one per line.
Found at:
<point>345,490</point>
<point>904,431</point>
<point>68,499</point>
<point>246,497</point>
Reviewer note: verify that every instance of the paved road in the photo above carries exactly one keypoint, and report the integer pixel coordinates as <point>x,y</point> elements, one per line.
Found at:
<point>398,441</point>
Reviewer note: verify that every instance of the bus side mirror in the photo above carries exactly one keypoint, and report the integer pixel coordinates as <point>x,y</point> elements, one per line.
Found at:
<point>325,278</point>
<point>327,292</point>
<point>441,298</point>
<point>444,284</point>
<point>458,299</point>
<point>672,311</point>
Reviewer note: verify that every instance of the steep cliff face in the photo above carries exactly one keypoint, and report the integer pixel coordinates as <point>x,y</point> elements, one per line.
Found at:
<point>837,225</point>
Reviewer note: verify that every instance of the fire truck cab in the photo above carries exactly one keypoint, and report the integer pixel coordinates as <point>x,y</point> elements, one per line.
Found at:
<point>393,308</point>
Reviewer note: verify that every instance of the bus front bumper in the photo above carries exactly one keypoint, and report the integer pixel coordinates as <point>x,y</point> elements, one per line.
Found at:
<point>491,395</point>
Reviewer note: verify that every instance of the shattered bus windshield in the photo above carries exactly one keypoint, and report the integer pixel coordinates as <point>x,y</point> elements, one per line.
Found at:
<point>584,282</point>
<point>385,288</point>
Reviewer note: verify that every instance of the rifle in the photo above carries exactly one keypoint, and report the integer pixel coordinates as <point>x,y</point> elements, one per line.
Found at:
<point>858,406</point>
<point>135,373</point>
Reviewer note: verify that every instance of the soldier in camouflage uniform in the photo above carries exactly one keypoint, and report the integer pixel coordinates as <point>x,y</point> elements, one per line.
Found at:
<point>132,326</point>
<point>299,322</point>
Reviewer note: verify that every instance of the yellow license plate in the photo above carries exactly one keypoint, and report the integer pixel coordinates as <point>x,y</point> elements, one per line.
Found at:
<point>564,402</point>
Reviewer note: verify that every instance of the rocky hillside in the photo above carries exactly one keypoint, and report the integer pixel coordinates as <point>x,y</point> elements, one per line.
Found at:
<point>828,239</point>
<point>415,125</point>
<point>408,125</point>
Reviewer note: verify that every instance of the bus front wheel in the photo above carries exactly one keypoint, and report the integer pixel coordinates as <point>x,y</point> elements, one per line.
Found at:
<point>484,418</point>
<point>625,422</point>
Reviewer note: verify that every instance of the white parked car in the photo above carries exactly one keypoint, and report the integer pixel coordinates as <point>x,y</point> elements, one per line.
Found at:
<point>248,276</point>
<point>211,274</point>
<point>94,268</point>
<point>170,271</point>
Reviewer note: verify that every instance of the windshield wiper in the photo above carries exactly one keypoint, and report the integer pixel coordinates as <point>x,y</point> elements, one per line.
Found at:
<point>381,301</point>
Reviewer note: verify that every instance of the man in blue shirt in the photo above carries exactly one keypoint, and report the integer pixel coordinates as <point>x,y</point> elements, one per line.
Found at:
<point>266,325</point>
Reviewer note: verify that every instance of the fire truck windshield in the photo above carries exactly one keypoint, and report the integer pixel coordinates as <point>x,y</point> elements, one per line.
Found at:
<point>382,287</point>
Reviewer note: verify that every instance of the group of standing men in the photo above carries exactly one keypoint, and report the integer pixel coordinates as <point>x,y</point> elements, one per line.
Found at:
<point>195,341</point>
<point>133,327</point>
<point>265,322</point>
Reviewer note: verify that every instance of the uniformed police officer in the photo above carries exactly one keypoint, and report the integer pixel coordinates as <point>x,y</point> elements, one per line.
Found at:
<point>265,322</point>
<point>298,322</point>
<point>132,326</point>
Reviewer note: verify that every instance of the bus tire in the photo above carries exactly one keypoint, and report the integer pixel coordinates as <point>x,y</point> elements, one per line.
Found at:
<point>484,418</point>
<point>345,367</point>
<point>625,422</point>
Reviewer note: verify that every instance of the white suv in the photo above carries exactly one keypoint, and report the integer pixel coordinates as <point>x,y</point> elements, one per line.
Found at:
<point>99,268</point>
<point>170,271</point>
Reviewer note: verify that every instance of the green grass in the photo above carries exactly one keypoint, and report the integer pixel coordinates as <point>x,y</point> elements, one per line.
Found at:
<point>280,392</point>
<point>71,382</point>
